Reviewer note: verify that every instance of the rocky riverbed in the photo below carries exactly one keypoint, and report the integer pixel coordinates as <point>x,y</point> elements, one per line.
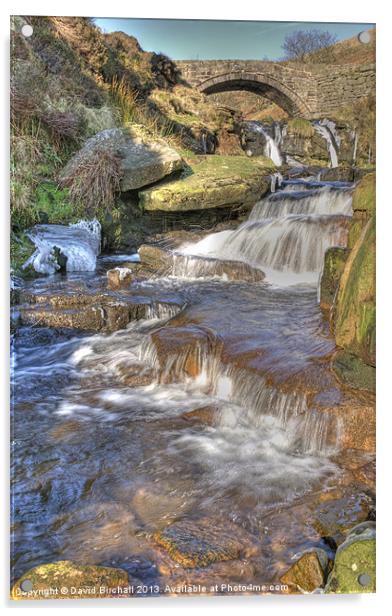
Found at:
<point>177,421</point>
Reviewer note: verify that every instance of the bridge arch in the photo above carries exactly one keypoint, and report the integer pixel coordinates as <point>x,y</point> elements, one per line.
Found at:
<point>260,83</point>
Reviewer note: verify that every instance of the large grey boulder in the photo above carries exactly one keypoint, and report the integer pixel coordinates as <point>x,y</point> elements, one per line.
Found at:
<point>143,159</point>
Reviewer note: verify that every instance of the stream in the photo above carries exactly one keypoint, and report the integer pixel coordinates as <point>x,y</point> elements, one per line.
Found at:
<point>210,408</point>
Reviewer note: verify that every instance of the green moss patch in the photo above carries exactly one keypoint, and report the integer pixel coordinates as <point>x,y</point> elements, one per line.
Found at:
<point>210,182</point>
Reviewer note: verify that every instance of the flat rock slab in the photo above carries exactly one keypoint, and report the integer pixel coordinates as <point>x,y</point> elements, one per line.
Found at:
<point>164,262</point>
<point>203,542</point>
<point>143,158</point>
<point>90,312</point>
<point>214,181</point>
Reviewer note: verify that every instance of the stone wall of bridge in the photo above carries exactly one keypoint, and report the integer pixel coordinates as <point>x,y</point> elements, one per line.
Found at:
<point>310,93</point>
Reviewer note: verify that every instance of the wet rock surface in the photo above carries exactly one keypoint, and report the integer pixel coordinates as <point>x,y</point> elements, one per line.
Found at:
<point>202,542</point>
<point>119,278</point>
<point>307,574</point>
<point>340,511</point>
<point>101,312</point>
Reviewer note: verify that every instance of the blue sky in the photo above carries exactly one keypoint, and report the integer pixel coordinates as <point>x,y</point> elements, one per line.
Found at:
<point>203,40</point>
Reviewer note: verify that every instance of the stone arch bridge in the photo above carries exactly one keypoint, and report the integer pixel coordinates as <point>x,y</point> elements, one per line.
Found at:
<point>309,93</point>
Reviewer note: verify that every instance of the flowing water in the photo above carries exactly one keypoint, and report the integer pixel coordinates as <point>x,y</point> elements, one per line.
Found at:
<point>208,407</point>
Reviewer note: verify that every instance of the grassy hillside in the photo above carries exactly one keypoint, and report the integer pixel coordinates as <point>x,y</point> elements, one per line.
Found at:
<point>70,81</point>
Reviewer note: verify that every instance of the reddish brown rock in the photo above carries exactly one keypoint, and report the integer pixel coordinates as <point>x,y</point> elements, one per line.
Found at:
<point>119,278</point>
<point>205,415</point>
<point>306,574</point>
<point>199,543</point>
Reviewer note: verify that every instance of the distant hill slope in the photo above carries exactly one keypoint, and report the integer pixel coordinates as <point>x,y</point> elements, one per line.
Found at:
<point>352,51</point>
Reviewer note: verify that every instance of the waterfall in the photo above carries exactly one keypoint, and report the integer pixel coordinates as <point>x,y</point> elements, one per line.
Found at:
<point>79,243</point>
<point>325,201</point>
<point>276,181</point>
<point>271,149</point>
<point>286,235</point>
<point>355,139</point>
<point>326,129</point>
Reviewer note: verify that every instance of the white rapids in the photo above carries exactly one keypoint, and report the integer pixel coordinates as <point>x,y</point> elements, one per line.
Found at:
<point>286,235</point>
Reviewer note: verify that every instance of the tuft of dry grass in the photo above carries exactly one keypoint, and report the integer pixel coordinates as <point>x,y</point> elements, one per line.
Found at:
<point>63,124</point>
<point>95,181</point>
<point>124,99</point>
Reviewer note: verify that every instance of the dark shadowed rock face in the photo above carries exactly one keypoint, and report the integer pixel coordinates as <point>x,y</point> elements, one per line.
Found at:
<point>334,261</point>
<point>340,511</point>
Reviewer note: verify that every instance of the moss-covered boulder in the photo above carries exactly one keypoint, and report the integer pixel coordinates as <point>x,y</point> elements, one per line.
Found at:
<point>212,182</point>
<point>354,372</point>
<point>307,573</point>
<point>66,580</point>
<point>354,311</point>
<point>334,261</point>
<point>364,195</point>
<point>364,205</point>
<point>354,569</point>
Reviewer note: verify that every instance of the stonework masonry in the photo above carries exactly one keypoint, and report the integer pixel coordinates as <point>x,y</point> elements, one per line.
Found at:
<point>310,93</point>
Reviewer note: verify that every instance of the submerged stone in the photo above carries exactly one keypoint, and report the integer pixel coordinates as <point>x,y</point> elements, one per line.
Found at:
<point>205,415</point>
<point>202,542</point>
<point>68,580</point>
<point>354,423</point>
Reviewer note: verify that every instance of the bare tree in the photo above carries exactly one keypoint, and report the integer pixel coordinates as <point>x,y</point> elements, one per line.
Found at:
<point>309,45</point>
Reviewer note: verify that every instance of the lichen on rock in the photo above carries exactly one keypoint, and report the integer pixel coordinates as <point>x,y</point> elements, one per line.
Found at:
<point>354,569</point>
<point>71,581</point>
